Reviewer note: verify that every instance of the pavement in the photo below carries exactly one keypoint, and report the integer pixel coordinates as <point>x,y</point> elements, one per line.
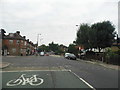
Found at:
<point>56,55</point>
<point>115,67</point>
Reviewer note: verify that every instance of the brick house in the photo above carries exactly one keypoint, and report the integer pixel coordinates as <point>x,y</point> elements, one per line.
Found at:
<point>30,48</point>
<point>15,44</point>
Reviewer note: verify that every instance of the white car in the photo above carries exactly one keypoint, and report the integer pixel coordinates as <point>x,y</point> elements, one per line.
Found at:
<point>42,53</point>
<point>66,55</point>
<point>70,56</point>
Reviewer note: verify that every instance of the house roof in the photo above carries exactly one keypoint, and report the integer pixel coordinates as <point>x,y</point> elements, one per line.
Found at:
<point>14,36</point>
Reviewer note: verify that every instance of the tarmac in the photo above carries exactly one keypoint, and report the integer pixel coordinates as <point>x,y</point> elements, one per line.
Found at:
<point>115,67</point>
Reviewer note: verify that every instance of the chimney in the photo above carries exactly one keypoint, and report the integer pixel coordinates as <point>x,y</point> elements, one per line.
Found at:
<point>24,37</point>
<point>18,32</point>
<point>28,40</point>
<point>2,32</point>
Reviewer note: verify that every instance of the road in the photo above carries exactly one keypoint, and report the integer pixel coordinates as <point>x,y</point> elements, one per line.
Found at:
<point>96,75</point>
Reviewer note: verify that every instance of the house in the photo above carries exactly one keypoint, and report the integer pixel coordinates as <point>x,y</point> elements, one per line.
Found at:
<point>115,47</point>
<point>15,44</point>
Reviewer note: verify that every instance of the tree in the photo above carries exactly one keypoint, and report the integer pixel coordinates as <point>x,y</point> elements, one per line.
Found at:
<point>53,47</point>
<point>43,48</point>
<point>105,33</point>
<point>83,36</point>
<point>99,35</point>
<point>92,38</point>
<point>72,49</point>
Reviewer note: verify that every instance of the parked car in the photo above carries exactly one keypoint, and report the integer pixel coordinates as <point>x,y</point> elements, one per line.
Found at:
<point>70,56</point>
<point>46,54</point>
<point>66,55</point>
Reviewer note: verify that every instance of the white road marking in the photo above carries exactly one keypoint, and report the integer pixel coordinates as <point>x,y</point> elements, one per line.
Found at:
<point>56,70</point>
<point>35,70</point>
<point>84,81</point>
<point>33,81</point>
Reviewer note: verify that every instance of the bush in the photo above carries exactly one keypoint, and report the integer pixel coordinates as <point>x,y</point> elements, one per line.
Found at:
<point>118,52</point>
<point>112,57</point>
<point>90,55</point>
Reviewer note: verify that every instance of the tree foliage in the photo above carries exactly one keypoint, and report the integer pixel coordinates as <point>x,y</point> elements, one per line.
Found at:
<point>43,48</point>
<point>105,33</point>
<point>98,35</point>
<point>53,46</point>
<point>72,49</point>
<point>56,48</point>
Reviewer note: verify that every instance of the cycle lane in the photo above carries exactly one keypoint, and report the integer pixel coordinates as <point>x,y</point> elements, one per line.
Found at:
<point>51,79</point>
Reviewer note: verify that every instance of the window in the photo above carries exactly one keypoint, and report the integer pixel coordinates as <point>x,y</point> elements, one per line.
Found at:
<point>11,34</point>
<point>11,41</point>
<point>21,50</point>
<point>18,41</point>
<point>25,43</point>
<point>21,41</point>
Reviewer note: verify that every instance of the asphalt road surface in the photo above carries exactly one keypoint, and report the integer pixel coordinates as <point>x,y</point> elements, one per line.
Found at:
<point>96,75</point>
<point>26,79</point>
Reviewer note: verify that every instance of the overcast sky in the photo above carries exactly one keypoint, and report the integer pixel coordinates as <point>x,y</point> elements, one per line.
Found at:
<point>55,20</point>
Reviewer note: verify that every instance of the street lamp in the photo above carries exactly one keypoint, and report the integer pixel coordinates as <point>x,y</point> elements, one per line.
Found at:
<point>37,44</point>
<point>77,25</point>
<point>38,38</point>
<point>79,48</point>
<point>41,40</point>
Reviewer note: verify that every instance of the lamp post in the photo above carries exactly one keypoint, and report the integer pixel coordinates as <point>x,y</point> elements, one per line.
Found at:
<point>38,39</point>
<point>79,48</point>
<point>77,26</point>
<point>37,44</point>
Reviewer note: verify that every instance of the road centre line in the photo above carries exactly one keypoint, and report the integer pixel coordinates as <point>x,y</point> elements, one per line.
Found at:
<point>84,81</point>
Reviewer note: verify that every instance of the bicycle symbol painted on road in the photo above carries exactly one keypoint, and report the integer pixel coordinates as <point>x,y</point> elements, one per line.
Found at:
<point>22,80</point>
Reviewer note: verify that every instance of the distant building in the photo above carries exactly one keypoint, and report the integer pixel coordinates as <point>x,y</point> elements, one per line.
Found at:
<point>116,45</point>
<point>63,48</point>
<point>15,44</point>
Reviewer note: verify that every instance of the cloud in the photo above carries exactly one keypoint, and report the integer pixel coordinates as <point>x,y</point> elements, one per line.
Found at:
<point>55,19</point>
